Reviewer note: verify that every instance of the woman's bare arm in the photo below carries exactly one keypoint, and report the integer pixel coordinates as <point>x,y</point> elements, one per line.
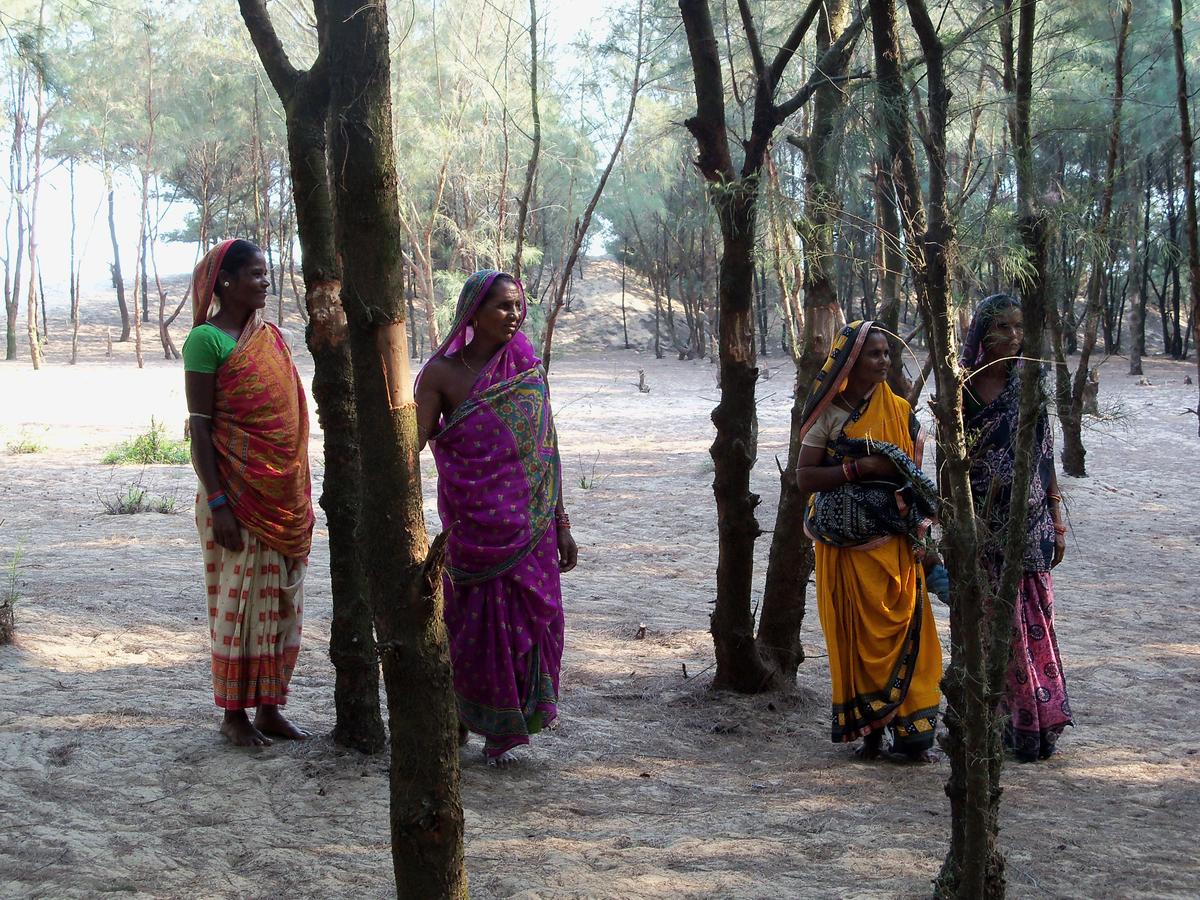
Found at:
<point>201,388</point>
<point>429,405</point>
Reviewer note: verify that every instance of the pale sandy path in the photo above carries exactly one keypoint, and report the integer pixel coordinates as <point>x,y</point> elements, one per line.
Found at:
<point>115,779</point>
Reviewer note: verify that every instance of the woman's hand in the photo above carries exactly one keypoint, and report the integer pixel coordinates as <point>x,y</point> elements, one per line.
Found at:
<point>226,530</point>
<point>877,466</point>
<point>568,551</point>
<point>1060,548</point>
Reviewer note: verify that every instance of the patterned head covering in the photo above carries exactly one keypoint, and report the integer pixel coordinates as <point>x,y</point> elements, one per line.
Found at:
<point>833,375</point>
<point>515,356</point>
<point>986,312</point>
<point>204,281</point>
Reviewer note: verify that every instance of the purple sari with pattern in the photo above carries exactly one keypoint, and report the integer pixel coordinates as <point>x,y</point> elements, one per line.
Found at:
<point>498,483</point>
<point>1035,696</point>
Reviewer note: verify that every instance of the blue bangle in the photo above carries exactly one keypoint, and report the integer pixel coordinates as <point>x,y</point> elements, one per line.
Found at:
<point>219,500</point>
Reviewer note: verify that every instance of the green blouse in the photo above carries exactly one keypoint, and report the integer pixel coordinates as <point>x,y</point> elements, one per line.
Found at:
<point>206,348</point>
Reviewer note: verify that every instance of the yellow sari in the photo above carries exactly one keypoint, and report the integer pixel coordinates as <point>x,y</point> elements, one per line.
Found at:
<point>885,660</point>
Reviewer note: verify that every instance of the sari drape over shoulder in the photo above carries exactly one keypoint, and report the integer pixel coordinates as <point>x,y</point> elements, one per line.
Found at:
<point>260,437</point>
<point>499,479</point>
<point>885,660</point>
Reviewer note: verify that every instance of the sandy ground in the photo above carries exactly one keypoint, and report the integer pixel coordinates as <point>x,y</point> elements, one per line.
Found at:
<point>116,781</point>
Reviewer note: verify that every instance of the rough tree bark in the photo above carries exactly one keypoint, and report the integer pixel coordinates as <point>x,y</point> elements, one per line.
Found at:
<point>1189,177</point>
<point>305,98</point>
<point>734,196</point>
<point>405,584</point>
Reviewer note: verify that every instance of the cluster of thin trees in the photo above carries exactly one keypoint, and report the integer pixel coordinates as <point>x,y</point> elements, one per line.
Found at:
<point>837,160</point>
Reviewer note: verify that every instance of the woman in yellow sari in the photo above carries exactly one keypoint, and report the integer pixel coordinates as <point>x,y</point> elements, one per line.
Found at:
<point>868,510</point>
<point>249,421</point>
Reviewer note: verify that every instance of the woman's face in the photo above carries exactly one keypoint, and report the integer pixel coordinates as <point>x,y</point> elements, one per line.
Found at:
<point>1003,338</point>
<point>499,315</point>
<point>247,290</point>
<point>873,362</point>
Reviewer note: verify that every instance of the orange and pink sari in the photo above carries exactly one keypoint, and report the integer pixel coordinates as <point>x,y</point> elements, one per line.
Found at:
<point>260,435</point>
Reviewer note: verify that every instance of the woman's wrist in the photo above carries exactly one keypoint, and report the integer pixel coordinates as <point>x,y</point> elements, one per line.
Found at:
<point>562,520</point>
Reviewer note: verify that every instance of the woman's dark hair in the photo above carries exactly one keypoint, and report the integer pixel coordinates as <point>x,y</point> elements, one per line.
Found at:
<point>240,254</point>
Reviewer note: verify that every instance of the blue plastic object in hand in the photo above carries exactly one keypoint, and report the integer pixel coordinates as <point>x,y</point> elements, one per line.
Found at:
<point>937,580</point>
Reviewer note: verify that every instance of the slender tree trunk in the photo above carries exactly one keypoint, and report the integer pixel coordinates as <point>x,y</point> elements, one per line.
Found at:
<point>352,649</point>
<point>71,274</point>
<point>1137,327</point>
<point>972,864</point>
<point>583,224</point>
<point>1074,452</point>
<point>16,177</point>
<point>405,584</point>
<point>1187,141</point>
<point>118,280</point>
<point>531,166</point>
<point>31,320</point>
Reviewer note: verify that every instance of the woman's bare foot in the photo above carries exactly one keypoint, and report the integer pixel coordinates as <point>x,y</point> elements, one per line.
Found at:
<point>269,720</point>
<point>872,747</point>
<point>509,759</point>
<point>238,731</point>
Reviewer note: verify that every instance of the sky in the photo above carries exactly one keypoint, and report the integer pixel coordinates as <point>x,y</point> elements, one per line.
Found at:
<point>565,20</point>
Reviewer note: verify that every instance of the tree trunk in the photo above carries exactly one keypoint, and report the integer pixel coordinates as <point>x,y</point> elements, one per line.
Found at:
<point>583,224</point>
<point>405,585</point>
<point>305,99</point>
<point>791,559</point>
<point>973,867</point>
<point>118,280</point>
<point>1074,452</point>
<point>1137,327</point>
<point>531,167</point>
<point>71,272</point>
<point>35,179</point>
<point>1187,141</point>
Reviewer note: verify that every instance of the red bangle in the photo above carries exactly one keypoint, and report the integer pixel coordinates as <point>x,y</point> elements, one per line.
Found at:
<point>215,494</point>
<point>850,470</point>
<point>1060,529</point>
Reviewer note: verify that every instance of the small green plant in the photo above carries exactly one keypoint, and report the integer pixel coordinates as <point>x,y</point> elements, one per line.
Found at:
<point>136,499</point>
<point>128,503</point>
<point>152,447</point>
<point>8,600</point>
<point>25,444</point>
<point>588,478</point>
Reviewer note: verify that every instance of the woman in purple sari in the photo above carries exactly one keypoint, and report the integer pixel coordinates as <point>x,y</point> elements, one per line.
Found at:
<point>484,405</point>
<point>1035,696</point>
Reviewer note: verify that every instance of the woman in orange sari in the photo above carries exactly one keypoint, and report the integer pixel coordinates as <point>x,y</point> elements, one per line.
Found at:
<point>249,422</point>
<point>870,505</point>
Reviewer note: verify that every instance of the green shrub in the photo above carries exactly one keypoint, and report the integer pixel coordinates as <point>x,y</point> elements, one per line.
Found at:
<point>150,448</point>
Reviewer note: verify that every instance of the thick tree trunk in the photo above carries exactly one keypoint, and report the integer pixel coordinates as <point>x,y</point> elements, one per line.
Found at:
<point>1189,177</point>
<point>305,98</point>
<point>791,559</point>
<point>405,586</point>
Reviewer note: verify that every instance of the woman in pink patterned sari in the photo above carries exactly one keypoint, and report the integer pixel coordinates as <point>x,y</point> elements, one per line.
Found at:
<point>249,422</point>
<point>1035,696</point>
<point>483,402</point>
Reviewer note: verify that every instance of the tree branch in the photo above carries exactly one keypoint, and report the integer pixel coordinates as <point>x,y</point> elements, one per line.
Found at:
<point>792,44</point>
<point>838,51</point>
<point>274,58</point>
<point>708,125</point>
<point>760,64</point>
